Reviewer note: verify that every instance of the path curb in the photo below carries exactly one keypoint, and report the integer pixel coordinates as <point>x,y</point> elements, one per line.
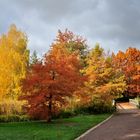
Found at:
<point>93,128</point>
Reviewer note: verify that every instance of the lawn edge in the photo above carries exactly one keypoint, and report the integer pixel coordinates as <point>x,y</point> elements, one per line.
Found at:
<point>94,127</point>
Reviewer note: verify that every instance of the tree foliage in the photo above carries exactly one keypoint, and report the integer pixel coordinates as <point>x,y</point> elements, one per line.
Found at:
<point>68,74</point>
<point>33,58</point>
<point>129,63</point>
<point>73,43</point>
<point>104,79</point>
<point>49,82</point>
<point>13,62</point>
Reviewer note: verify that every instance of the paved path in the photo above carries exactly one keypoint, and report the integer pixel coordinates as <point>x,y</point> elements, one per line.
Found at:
<point>124,125</point>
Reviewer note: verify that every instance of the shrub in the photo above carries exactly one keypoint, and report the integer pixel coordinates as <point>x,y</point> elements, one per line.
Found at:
<point>13,118</point>
<point>8,107</point>
<point>96,106</point>
<point>64,114</point>
<point>94,109</point>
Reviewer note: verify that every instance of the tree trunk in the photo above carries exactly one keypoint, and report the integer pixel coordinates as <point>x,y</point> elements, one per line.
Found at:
<point>50,109</point>
<point>50,101</point>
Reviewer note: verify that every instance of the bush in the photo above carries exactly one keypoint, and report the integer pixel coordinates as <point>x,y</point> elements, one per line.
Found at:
<point>67,114</point>
<point>14,118</point>
<point>97,106</point>
<point>64,114</point>
<point>11,111</point>
<point>94,109</point>
<point>8,107</point>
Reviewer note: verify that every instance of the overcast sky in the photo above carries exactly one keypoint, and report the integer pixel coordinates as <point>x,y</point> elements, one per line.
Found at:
<point>115,24</point>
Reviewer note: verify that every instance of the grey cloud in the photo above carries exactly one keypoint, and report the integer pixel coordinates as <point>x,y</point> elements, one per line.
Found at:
<point>114,24</point>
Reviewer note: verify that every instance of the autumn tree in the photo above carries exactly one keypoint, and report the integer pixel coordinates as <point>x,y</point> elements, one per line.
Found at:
<point>13,62</point>
<point>73,43</point>
<point>129,63</point>
<point>104,80</point>
<point>50,81</point>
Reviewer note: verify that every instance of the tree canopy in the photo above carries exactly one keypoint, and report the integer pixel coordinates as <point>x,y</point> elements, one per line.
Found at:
<point>13,62</point>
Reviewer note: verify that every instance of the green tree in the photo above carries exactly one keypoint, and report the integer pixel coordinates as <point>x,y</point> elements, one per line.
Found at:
<point>33,58</point>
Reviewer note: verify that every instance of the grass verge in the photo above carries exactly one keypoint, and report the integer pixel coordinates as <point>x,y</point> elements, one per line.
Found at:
<point>60,129</point>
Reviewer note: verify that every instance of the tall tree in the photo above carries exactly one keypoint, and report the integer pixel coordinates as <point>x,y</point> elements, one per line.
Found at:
<point>49,82</point>
<point>13,62</point>
<point>73,43</point>
<point>104,79</point>
<point>129,63</point>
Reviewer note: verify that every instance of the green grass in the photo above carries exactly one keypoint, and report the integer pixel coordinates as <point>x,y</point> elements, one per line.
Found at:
<point>61,129</point>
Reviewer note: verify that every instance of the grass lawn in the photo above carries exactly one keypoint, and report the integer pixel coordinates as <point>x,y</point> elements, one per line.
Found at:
<point>61,129</point>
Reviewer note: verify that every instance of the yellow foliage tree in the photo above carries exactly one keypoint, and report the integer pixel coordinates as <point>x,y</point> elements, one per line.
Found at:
<point>104,80</point>
<point>14,58</point>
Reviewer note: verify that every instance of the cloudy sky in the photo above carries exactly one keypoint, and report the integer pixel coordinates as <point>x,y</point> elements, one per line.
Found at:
<point>115,24</point>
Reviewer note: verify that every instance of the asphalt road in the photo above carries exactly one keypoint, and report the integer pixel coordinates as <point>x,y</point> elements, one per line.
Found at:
<point>124,125</point>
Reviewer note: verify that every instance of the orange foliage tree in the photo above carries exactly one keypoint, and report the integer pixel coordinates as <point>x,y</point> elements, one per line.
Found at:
<point>129,63</point>
<point>50,81</point>
<point>73,43</point>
